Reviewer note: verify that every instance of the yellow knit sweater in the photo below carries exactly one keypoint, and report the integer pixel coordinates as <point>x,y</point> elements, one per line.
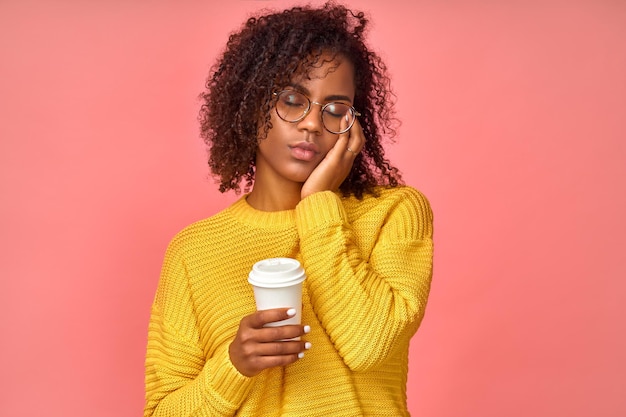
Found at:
<point>368,265</point>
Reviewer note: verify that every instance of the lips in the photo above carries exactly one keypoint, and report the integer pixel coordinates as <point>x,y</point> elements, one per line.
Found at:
<point>304,151</point>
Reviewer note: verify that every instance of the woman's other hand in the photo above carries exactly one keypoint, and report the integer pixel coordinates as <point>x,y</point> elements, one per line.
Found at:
<point>256,347</point>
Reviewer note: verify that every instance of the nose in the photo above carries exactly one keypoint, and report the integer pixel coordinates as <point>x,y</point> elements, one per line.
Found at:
<point>312,122</point>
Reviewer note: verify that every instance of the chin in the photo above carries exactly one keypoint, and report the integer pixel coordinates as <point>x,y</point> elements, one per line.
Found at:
<point>300,178</point>
<point>301,173</point>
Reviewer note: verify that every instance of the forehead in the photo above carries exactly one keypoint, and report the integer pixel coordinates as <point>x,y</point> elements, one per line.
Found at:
<point>327,70</point>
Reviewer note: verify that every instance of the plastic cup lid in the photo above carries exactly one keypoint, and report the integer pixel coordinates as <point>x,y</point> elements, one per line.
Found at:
<point>276,272</point>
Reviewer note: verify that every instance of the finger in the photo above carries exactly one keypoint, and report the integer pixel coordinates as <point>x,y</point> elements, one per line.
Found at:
<point>274,333</point>
<point>249,362</point>
<point>264,362</point>
<point>338,151</point>
<point>262,317</point>
<point>345,136</point>
<point>351,141</point>
<point>356,140</point>
<point>281,348</point>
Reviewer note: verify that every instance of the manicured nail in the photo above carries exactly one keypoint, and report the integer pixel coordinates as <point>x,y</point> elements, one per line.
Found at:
<point>307,345</point>
<point>291,312</point>
<point>301,355</point>
<point>307,329</point>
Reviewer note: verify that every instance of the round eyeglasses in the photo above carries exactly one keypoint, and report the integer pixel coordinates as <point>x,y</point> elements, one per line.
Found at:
<point>293,106</point>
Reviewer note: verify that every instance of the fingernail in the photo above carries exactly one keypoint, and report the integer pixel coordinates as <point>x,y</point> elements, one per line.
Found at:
<point>291,312</point>
<point>307,329</point>
<point>307,345</point>
<point>301,355</point>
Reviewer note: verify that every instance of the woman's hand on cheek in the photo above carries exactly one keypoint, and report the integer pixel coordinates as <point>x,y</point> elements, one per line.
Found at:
<point>336,166</point>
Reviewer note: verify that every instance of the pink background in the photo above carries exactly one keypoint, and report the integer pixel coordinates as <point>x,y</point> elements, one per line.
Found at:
<point>514,125</point>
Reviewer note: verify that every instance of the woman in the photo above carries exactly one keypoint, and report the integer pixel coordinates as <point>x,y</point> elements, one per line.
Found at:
<point>295,110</point>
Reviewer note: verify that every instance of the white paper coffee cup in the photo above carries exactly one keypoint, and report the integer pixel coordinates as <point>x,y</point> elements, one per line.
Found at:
<point>277,283</point>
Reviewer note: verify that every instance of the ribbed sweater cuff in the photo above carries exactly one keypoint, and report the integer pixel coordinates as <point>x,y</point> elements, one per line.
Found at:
<point>319,210</point>
<point>229,383</point>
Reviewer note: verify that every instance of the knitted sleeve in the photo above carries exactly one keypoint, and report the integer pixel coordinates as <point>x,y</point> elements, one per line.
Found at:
<point>180,381</point>
<point>367,306</point>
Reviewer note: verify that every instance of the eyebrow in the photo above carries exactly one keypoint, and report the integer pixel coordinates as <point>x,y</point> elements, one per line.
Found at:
<point>333,97</point>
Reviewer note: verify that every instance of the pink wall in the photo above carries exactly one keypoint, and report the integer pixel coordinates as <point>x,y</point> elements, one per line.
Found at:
<point>513,125</point>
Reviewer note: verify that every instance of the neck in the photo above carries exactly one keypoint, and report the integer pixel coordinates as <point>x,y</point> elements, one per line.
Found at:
<point>276,197</point>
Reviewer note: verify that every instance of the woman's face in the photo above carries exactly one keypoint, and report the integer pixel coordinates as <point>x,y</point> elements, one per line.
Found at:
<point>291,151</point>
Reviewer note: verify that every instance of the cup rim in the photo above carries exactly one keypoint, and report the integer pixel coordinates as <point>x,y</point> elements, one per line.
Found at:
<point>290,272</point>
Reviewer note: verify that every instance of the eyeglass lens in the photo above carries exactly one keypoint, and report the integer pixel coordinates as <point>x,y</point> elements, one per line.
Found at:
<point>293,106</point>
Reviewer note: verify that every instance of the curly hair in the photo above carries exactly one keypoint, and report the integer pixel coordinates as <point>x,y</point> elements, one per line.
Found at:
<point>261,59</point>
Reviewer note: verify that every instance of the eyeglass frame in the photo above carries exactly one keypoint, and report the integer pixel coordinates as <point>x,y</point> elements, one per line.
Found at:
<point>323,107</point>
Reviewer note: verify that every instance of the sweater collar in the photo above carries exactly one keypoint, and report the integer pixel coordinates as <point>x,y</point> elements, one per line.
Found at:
<point>245,213</point>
